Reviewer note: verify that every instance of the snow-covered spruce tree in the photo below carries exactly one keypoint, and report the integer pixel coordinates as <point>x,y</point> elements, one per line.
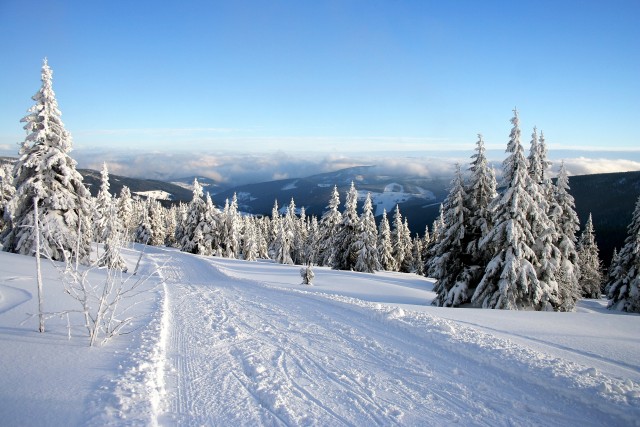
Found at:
<point>535,160</point>
<point>624,287</point>
<point>274,229</point>
<point>509,280</point>
<point>282,244</point>
<point>249,240</point>
<point>157,222</point>
<point>385,245</point>
<point>102,206</point>
<point>566,221</point>
<point>300,236</point>
<point>113,240</point>
<point>143,232</point>
<point>262,231</point>
<point>544,231</point>
<point>365,247</point>
<point>46,171</point>
<point>329,226</point>
<point>589,262</point>
<point>437,231</point>
<point>6,193</point>
<point>397,240</point>
<point>125,212</point>
<point>451,264</point>
<point>313,242</point>
<point>210,228</point>
<point>195,211</point>
<point>285,237</point>
<point>231,225</point>
<point>181,220</point>
<point>611,271</point>
<point>418,257</point>
<point>480,192</point>
<point>407,243</point>
<point>347,233</point>
<point>170,224</point>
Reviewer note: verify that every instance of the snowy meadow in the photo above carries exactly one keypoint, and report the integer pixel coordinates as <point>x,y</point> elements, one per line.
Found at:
<point>219,341</point>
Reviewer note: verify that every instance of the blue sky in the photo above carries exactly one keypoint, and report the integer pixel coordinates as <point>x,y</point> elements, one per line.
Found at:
<point>328,76</point>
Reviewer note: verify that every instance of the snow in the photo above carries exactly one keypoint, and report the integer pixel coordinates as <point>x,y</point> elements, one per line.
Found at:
<point>291,186</point>
<point>392,195</point>
<point>244,196</point>
<point>224,342</point>
<point>155,194</point>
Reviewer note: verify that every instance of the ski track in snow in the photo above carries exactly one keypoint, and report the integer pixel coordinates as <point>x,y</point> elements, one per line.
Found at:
<point>240,352</point>
<point>10,296</point>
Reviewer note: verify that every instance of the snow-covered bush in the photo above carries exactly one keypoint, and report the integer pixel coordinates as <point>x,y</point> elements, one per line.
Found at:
<point>307,275</point>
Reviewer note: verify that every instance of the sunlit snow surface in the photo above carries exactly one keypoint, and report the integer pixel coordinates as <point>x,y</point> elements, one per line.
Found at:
<point>227,342</point>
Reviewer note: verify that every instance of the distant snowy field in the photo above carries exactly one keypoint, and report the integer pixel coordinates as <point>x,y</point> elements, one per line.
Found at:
<point>228,342</point>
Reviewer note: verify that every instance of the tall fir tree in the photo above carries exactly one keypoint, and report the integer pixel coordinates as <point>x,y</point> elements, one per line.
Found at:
<point>113,240</point>
<point>566,221</point>
<point>329,226</point>
<point>611,271</point>
<point>157,223</point>
<point>397,239</point>
<point>249,240</point>
<point>385,245</point>
<point>192,238</point>
<point>624,284</point>
<point>46,172</point>
<point>347,233</point>
<point>510,280</point>
<point>480,192</point>
<point>365,246</point>
<point>102,206</point>
<point>143,232</point>
<point>418,256</point>
<point>407,265</point>
<point>274,229</point>
<point>125,212</point>
<point>451,263</point>
<point>544,230</point>
<point>589,262</point>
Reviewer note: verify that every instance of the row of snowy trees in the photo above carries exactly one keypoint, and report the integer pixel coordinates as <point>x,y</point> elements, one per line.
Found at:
<point>343,240</point>
<point>513,249</point>
<point>517,248</point>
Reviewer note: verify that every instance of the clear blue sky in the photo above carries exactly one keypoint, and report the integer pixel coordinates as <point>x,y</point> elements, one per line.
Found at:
<point>325,75</point>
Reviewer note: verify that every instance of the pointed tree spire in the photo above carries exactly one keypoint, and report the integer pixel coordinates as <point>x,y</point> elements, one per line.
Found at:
<point>46,172</point>
<point>365,245</point>
<point>589,262</point>
<point>509,280</point>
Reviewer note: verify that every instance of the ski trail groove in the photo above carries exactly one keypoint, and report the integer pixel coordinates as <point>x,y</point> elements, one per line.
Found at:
<point>248,354</point>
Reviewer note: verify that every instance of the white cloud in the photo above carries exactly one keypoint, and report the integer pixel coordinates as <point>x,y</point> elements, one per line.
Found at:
<point>243,168</point>
<point>587,166</point>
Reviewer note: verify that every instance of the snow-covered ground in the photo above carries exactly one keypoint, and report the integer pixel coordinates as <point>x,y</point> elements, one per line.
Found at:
<point>392,195</point>
<point>155,194</point>
<point>224,342</point>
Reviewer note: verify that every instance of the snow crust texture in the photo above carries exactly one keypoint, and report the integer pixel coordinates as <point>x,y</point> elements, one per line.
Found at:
<point>247,353</point>
<point>229,342</point>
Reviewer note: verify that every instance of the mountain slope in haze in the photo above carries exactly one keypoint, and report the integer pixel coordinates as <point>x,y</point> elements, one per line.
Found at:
<point>161,190</point>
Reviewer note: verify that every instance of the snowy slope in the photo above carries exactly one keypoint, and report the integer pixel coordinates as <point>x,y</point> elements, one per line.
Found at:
<point>226,342</point>
<point>155,194</point>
